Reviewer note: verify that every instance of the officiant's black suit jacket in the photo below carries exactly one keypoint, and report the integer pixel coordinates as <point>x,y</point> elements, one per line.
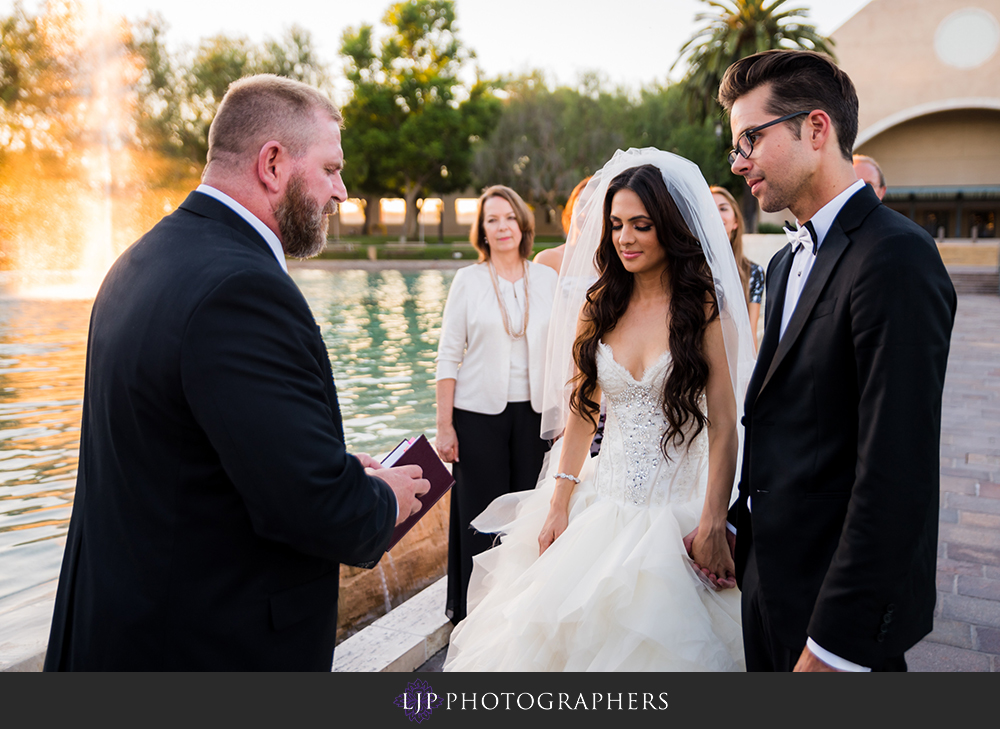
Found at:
<point>843,421</point>
<point>215,498</point>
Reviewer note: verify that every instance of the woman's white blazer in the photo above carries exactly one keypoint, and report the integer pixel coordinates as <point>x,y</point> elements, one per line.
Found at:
<point>475,349</point>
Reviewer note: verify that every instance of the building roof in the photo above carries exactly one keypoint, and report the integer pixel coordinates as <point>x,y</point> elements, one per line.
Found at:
<point>911,58</point>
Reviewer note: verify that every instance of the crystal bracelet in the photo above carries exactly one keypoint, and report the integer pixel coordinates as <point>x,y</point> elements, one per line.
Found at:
<point>566,476</point>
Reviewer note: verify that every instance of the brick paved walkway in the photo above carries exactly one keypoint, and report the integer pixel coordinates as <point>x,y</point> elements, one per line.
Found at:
<point>966,633</point>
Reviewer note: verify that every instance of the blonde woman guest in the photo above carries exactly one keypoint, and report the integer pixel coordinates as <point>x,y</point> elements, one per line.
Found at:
<point>751,274</point>
<point>489,376</point>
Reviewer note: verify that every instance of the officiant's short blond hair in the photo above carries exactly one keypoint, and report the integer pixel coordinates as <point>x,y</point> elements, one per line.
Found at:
<point>265,107</point>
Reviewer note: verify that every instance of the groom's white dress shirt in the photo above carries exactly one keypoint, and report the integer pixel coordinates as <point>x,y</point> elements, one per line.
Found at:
<point>805,256</point>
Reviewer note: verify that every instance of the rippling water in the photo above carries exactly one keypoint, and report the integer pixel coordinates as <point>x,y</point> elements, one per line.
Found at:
<point>381,329</point>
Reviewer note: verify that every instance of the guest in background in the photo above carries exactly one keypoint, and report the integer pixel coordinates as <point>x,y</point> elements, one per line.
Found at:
<point>868,170</point>
<point>489,376</point>
<point>751,274</point>
<point>553,257</point>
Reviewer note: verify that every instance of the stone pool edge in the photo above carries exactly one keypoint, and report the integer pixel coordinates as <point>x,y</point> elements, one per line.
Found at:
<point>25,619</point>
<point>400,641</point>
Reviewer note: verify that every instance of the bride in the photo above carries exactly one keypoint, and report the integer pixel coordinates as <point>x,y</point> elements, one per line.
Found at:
<point>592,572</point>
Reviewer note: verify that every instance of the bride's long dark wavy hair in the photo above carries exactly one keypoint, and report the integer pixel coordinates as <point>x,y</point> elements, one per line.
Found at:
<point>693,306</point>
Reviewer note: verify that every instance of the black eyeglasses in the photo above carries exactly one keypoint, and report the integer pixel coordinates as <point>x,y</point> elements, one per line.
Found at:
<point>744,145</point>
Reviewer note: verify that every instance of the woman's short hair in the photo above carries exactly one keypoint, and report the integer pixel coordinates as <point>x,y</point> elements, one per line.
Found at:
<point>567,213</point>
<point>257,109</point>
<point>799,81</point>
<point>523,215</point>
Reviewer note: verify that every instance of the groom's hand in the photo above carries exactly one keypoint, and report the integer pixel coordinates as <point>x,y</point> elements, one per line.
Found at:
<point>808,662</point>
<point>728,579</point>
<point>406,483</point>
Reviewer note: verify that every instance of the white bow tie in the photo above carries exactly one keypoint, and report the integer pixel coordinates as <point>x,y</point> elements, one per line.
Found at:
<point>801,238</point>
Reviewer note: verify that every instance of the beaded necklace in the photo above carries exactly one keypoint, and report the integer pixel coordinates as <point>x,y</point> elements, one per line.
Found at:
<point>504,315</point>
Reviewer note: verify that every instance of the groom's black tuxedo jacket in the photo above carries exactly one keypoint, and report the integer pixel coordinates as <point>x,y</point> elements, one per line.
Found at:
<point>215,498</point>
<point>841,457</point>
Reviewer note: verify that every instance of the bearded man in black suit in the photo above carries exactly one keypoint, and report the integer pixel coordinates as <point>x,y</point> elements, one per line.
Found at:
<point>837,514</point>
<point>215,499</point>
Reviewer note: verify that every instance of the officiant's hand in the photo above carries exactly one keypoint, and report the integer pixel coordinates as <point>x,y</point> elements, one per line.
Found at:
<point>407,484</point>
<point>368,462</point>
<point>713,556</point>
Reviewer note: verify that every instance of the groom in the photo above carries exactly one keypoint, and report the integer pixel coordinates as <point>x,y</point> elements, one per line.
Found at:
<point>215,497</point>
<point>837,514</point>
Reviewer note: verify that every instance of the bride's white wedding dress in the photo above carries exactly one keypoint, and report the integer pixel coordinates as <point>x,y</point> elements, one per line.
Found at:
<point>616,591</point>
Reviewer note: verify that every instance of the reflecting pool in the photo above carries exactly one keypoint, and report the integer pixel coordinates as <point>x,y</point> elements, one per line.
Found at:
<point>381,329</point>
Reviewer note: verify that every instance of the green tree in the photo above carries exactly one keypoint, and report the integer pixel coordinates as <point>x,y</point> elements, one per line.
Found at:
<point>220,60</point>
<point>179,97</point>
<point>160,95</point>
<point>548,140</point>
<point>50,66</point>
<point>411,124</point>
<point>659,119</point>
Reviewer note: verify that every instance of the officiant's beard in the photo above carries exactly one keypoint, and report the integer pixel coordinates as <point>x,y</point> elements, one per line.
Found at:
<point>301,221</point>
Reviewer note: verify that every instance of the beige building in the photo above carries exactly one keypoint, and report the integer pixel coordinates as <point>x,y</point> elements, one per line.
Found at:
<point>928,79</point>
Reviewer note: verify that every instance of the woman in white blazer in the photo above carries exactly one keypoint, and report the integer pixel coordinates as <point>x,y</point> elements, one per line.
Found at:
<point>489,376</point>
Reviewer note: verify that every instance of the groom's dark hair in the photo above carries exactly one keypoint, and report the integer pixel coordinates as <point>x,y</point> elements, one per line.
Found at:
<point>799,81</point>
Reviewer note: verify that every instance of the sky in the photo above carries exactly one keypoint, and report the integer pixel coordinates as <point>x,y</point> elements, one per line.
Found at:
<point>633,46</point>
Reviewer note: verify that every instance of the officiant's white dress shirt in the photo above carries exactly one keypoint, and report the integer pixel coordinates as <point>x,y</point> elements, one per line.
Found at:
<point>266,233</point>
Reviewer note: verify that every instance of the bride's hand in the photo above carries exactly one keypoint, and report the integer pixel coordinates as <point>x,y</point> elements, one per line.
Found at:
<point>712,552</point>
<point>555,524</point>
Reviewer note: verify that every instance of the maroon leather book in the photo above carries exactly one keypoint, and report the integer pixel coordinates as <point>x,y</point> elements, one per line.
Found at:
<point>421,453</point>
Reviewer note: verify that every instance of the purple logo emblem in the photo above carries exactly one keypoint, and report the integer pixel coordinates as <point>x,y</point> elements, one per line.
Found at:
<point>418,700</point>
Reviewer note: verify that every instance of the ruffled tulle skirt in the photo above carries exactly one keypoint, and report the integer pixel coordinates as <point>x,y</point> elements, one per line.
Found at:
<point>615,592</point>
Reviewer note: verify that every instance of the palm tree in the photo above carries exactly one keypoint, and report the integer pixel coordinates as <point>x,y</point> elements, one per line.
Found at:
<point>733,30</point>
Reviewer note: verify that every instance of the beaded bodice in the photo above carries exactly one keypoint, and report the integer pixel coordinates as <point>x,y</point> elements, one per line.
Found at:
<point>631,467</point>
